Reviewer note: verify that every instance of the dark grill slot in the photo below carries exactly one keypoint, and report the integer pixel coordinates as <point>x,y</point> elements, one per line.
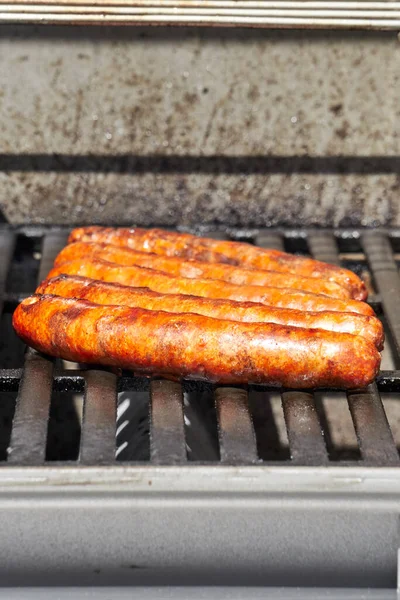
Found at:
<point>64,427</point>
<point>306,440</point>
<point>235,428</point>
<point>7,244</point>
<point>167,433</point>
<point>182,429</point>
<point>133,443</point>
<point>201,425</point>
<point>270,446</point>
<point>99,418</point>
<point>372,428</point>
<point>390,404</point>
<point>7,409</point>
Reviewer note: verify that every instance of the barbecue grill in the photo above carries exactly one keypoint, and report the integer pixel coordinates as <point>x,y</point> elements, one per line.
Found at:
<point>200,489</point>
<point>118,486</point>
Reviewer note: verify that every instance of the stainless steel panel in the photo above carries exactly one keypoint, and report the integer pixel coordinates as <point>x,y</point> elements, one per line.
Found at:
<point>194,593</point>
<point>200,525</point>
<point>236,127</point>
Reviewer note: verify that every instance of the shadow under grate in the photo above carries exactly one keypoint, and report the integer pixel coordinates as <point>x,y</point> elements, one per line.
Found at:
<point>24,267</point>
<point>269,425</point>
<point>64,427</point>
<point>200,424</point>
<point>7,409</point>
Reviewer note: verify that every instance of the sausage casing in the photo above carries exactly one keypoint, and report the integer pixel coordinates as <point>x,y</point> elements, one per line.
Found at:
<point>190,246</point>
<point>99,292</point>
<point>195,269</point>
<point>194,346</point>
<point>208,288</point>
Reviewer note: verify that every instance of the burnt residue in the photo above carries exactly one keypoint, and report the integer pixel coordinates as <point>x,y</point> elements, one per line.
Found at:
<point>190,200</point>
<point>336,109</point>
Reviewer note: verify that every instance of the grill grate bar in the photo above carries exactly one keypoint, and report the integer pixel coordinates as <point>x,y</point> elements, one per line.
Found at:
<point>167,433</point>
<point>323,247</point>
<point>305,435</point>
<point>235,427</point>
<point>386,275</point>
<point>270,240</point>
<point>98,436</point>
<point>29,431</point>
<point>372,428</point>
<point>7,245</point>
<point>52,244</point>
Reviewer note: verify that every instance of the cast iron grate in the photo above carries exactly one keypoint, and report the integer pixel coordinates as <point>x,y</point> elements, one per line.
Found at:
<point>163,422</point>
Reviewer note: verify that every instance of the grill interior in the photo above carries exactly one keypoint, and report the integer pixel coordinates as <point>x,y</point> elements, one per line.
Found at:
<point>53,412</point>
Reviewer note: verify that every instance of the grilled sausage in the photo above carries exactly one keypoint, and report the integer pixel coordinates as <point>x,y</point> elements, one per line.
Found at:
<point>193,346</point>
<point>194,269</point>
<point>189,246</point>
<point>100,292</point>
<point>208,288</point>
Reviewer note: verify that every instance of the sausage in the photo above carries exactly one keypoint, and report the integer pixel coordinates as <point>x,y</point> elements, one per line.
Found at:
<point>100,292</point>
<point>189,246</point>
<point>194,346</point>
<point>208,288</point>
<point>194,269</point>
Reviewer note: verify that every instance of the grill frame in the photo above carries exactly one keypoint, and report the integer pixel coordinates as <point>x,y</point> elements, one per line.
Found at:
<point>305,521</point>
<point>372,15</point>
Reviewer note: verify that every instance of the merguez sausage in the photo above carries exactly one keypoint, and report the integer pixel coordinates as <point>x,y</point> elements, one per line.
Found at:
<point>188,246</point>
<point>194,269</point>
<point>100,292</point>
<point>208,288</point>
<point>194,346</point>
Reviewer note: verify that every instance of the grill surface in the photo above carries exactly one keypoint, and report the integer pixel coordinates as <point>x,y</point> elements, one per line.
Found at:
<point>108,480</point>
<point>369,253</point>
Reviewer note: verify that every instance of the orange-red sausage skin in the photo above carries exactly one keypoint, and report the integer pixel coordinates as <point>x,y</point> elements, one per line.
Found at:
<point>194,269</point>
<point>194,346</point>
<point>99,292</point>
<point>189,246</point>
<point>208,288</point>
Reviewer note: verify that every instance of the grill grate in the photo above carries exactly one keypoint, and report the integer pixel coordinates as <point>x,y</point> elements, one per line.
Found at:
<point>179,415</point>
